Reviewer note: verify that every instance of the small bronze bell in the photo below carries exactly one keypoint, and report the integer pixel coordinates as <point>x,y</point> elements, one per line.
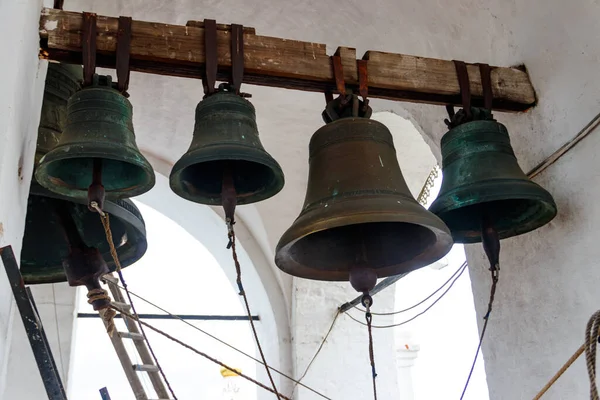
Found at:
<point>359,220</point>
<point>99,129</point>
<point>226,142</point>
<point>482,180</point>
<point>45,247</point>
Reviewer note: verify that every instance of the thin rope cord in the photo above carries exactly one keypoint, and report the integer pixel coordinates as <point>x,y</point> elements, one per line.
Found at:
<point>592,332</point>
<point>417,315</point>
<point>225,343</point>
<point>62,365</point>
<point>214,360</point>
<point>369,318</point>
<point>242,293</point>
<point>422,301</point>
<point>337,314</point>
<point>113,251</point>
<point>495,274</point>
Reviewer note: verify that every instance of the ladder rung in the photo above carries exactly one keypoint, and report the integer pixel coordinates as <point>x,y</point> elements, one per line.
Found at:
<point>131,335</point>
<point>145,367</point>
<point>121,306</point>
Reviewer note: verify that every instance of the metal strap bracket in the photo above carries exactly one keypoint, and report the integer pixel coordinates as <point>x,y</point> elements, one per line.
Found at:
<point>486,84</point>
<point>464,85</point>
<point>237,57</point>
<point>363,82</point>
<point>210,51</point>
<point>123,54</point>
<point>88,43</point>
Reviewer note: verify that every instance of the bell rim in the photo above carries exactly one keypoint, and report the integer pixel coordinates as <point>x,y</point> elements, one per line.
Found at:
<point>122,209</point>
<point>228,152</point>
<point>542,196</point>
<point>442,246</point>
<point>132,157</point>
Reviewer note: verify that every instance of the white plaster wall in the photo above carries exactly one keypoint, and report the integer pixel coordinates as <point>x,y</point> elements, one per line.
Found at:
<point>20,105</point>
<point>548,280</point>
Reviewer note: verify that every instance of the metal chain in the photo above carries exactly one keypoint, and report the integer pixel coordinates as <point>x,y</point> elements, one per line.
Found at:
<point>104,218</point>
<point>367,302</point>
<point>135,317</point>
<point>238,269</point>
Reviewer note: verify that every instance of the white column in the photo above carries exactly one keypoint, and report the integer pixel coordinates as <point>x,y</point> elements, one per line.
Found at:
<point>405,359</point>
<point>23,78</point>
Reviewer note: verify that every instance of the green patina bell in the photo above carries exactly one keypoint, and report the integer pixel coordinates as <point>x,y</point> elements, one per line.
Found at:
<point>45,247</point>
<point>481,176</point>
<point>226,142</point>
<point>98,127</point>
<point>44,244</point>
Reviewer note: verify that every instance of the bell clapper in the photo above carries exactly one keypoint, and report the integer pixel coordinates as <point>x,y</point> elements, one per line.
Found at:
<point>96,189</point>
<point>490,241</point>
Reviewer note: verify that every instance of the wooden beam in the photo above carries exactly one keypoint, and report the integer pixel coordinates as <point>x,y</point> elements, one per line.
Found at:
<point>178,50</point>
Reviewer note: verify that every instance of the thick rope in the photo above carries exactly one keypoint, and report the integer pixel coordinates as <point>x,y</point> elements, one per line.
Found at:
<point>495,276</point>
<point>592,331</point>
<point>369,319</point>
<point>238,270</point>
<point>104,218</point>
<point>592,334</point>
<point>135,317</point>
<point>107,314</point>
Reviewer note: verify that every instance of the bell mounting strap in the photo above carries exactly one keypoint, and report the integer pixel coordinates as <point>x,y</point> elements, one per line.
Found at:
<point>210,52</point>
<point>123,53</point>
<point>363,82</point>
<point>88,44</point>
<point>463,83</point>
<point>237,57</point>
<point>486,84</point>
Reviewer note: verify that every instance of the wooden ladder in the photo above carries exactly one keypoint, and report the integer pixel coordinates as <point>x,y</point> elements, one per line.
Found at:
<point>133,333</point>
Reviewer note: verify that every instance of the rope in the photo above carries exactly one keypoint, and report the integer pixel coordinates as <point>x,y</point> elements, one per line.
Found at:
<point>135,317</point>
<point>592,331</point>
<point>238,270</point>
<point>107,314</point>
<point>104,218</point>
<point>297,382</point>
<point>495,276</point>
<point>419,303</point>
<point>369,318</point>
<point>337,314</point>
<point>464,267</point>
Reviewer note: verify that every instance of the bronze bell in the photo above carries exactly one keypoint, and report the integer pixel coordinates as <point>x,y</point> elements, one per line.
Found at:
<point>226,142</point>
<point>45,247</point>
<point>359,220</point>
<point>99,128</point>
<point>482,180</point>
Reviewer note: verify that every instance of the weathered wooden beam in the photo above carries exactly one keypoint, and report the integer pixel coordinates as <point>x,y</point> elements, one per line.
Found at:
<point>178,50</point>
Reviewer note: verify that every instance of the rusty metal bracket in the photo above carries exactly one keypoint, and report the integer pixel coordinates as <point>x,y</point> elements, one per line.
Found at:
<point>237,57</point>
<point>123,53</point>
<point>58,4</point>
<point>363,82</point>
<point>210,49</point>
<point>486,84</point>
<point>464,85</point>
<point>88,44</point>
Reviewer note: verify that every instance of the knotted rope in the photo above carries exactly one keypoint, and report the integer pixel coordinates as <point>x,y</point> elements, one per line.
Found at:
<point>107,313</point>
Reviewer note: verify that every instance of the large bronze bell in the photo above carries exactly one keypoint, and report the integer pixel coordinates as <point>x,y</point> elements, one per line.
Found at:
<point>358,214</point>
<point>482,179</point>
<point>99,127</point>
<point>45,247</point>
<point>226,142</point>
